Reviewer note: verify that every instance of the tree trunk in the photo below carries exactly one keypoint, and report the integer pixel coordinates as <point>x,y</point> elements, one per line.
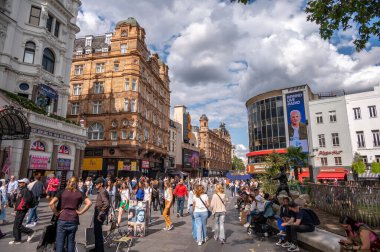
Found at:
<point>311,172</point>
<point>296,172</point>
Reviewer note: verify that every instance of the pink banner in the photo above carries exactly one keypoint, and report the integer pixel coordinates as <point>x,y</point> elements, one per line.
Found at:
<point>38,163</point>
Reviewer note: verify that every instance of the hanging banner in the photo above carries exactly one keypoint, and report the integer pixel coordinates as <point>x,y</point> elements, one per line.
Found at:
<point>133,166</point>
<point>64,164</point>
<point>297,128</point>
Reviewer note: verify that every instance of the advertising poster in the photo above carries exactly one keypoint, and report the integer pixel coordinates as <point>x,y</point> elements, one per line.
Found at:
<point>138,216</point>
<point>297,128</point>
<point>133,166</point>
<point>190,159</point>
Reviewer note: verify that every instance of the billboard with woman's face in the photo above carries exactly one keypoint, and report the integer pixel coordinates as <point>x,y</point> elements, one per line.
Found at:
<point>297,128</point>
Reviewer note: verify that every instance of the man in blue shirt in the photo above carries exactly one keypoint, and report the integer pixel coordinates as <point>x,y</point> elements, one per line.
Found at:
<point>302,222</point>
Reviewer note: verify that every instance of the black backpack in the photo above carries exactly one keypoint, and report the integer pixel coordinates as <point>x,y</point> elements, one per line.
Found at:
<point>313,216</point>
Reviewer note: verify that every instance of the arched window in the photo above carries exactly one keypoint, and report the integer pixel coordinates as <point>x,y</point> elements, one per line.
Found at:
<point>64,149</point>
<point>30,50</point>
<point>48,60</point>
<point>96,131</point>
<point>38,146</point>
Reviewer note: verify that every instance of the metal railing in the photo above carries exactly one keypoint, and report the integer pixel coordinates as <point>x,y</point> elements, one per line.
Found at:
<point>358,200</point>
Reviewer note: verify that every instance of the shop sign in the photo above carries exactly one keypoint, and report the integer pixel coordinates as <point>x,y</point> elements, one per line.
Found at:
<point>124,165</point>
<point>145,164</point>
<point>333,170</point>
<point>38,163</point>
<point>64,164</point>
<point>92,164</point>
<point>326,153</point>
<point>133,166</point>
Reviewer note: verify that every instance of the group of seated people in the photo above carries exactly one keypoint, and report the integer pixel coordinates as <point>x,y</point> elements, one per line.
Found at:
<point>292,219</point>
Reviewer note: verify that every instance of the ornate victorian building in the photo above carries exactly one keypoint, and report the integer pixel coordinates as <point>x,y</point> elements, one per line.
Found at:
<point>121,93</point>
<point>215,148</point>
<point>36,43</point>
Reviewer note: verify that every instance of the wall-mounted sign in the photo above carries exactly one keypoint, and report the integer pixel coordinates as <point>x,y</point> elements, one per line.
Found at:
<point>38,163</point>
<point>326,153</point>
<point>63,164</point>
<point>45,96</point>
<point>145,164</point>
<point>333,170</point>
<point>133,166</point>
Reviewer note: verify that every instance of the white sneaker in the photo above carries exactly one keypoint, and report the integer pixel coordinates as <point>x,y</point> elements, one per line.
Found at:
<point>286,245</point>
<point>170,227</point>
<point>14,243</point>
<point>246,224</point>
<point>280,242</point>
<point>28,225</point>
<point>199,243</point>
<point>33,224</point>
<point>30,237</point>
<point>293,247</point>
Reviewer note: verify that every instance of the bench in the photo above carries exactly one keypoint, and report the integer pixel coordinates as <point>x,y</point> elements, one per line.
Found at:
<point>319,240</point>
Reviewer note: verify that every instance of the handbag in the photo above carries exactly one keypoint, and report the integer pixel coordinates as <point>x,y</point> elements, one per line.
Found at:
<point>209,213</point>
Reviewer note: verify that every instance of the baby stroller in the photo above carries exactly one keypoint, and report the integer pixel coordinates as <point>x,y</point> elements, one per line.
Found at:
<point>259,223</point>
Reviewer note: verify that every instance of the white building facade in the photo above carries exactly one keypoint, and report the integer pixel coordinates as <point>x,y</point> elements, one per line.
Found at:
<point>36,44</point>
<point>364,122</point>
<point>331,150</point>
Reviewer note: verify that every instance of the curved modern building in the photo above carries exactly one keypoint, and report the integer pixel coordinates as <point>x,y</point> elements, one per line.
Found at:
<point>269,127</point>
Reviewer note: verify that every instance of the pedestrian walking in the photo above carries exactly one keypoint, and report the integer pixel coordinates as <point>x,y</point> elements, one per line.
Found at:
<point>3,202</point>
<point>37,188</point>
<point>155,195</point>
<point>190,210</point>
<point>12,187</point>
<point>23,201</point>
<point>52,187</point>
<point>218,206</point>
<point>70,201</point>
<point>111,189</point>
<point>102,207</point>
<point>148,197</point>
<point>180,192</point>
<point>200,205</point>
<point>124,204</point>
<point>168,196</point>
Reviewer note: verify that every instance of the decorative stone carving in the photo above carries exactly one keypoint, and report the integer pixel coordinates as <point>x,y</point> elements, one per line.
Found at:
<point>3,35</point>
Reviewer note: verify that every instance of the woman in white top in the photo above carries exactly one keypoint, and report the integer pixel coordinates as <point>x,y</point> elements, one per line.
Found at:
<point>218,207</point>
<point>124,204</point>
<point>190,209</point>
<point>200,209</point>
<point>148,197</point>
<point>168,196</point>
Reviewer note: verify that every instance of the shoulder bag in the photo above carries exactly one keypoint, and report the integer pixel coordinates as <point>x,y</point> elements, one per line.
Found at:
<point>209,213</point>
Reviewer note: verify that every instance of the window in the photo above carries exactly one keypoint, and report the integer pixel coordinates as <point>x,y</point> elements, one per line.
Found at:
<point>146,134</point>
<point>332,115</point>
<point>324,161</point>
<point>75,108</point>
<point>98,88</point>
<point>319,117</point>
<point>372,111</point>
<point>357,114</point>
<point>321,140</point>
<point>376,138</point>
<point>35,14</point>
<point>30,50</point>
<point>108,39</point>
<point>99,67</point>
<point>123,48</point>
<point>48,60</point>
<point>77,89</point>
<point>105,49</point>
<point>113,135</point>
<point>131,135</point>
<point>88,51</point>
<point>123,134</point>
<point>124,33</point>
<point>338,160</point>
<point>133,105</point>
<point>78,69</point>
<point>364,158</point>
<point>126,104</point>
<point>126,84</point>
<point>49,23</point>
<point>79,52</point>
<point>116,67</point>
<point>56,28</point>
<point>95,132</point>
<point>97,107</point>
<point>377,158</point>
<point>133,84</point>
<point>360,139</point>
<point>335,139</point>
<point>88,41</point>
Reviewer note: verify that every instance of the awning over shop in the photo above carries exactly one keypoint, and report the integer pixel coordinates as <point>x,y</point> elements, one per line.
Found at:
<point>332,173</point>
<point>265,152</point>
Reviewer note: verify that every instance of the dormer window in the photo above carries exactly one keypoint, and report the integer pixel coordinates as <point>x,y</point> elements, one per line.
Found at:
<point>88,51</point>
<point>124,33</point>
<point>108,38</point>
<point>105,49</point>
<point>88,41</point>
<point>79,52</point>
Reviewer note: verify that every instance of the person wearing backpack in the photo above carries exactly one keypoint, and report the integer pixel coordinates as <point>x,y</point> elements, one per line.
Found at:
<point>359,236</point>
<point>302,222</point>
<point>37,188</point>
<point>23,201</point>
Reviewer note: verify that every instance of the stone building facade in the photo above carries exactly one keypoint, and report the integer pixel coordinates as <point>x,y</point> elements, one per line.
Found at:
<point>36,42</point>
<point>215,148</point>
<point>121,93</point>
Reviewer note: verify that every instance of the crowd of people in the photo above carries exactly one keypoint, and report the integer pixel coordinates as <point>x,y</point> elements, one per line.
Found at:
<point>205,197</point>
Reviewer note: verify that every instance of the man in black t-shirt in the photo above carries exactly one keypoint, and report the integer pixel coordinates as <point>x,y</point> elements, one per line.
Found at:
<point>302,222</point>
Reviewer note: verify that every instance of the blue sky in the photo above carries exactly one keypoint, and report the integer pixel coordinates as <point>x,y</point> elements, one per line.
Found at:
<point>221,54</point>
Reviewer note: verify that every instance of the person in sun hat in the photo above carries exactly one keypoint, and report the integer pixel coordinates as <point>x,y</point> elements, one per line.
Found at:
<point>23,202</point>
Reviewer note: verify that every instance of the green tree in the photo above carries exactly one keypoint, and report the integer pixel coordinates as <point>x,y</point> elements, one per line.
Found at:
<point>273,162</point>
<point>238,164</point>
<point>296,158</point>
<point>358,166</point>
<point>375,167</point>
<point>333,15</point>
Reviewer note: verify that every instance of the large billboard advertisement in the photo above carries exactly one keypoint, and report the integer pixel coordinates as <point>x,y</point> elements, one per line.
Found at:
<point>186,127</point>
<point>190,159</point>
<point>297,128</point>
